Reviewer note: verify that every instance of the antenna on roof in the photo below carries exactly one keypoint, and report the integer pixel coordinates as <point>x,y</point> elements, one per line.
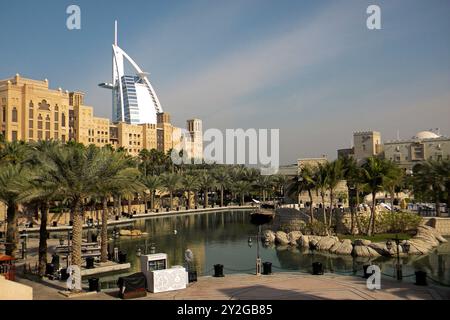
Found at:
<point>115,32</point>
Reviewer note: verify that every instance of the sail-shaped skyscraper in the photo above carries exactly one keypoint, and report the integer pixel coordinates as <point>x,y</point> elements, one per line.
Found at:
<point>134,100</point>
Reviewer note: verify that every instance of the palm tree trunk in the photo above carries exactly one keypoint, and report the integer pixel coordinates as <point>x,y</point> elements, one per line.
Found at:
<point>206,198</point>
<point>311,210</point>
<point>77,233</point>
<point>171,201</point>
<point>324,213</point>
<point>12,237</point>
<point>242,199</point>
<point>392,191</point>
<point>371,227</point>
<point>104,232</point>
<point>331,208</point>
<point>437,204</point>
<point>144,196</point>
<point>152,201</point>
<point>43,240</point>
<point>221,196</point>
<point>129,205</point>
<point>352,219</point>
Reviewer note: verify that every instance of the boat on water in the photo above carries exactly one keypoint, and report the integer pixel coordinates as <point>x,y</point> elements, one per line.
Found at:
<point>264,211</point>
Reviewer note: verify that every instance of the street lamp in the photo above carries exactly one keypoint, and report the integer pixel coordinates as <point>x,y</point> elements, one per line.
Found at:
<point>406,246</point>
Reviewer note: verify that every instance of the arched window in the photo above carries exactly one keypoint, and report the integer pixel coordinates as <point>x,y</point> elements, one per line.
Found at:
<point>44,105</point>
<point>40,122</point>
<point>14,114</point>
<point>47,122</point>
<point>63,119</point>
<point>31,110</point>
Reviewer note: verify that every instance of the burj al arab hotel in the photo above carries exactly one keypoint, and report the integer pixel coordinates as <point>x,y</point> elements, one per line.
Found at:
<point>134,100</point>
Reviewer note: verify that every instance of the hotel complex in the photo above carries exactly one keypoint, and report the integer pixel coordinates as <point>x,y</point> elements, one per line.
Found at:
<point>31,111</point>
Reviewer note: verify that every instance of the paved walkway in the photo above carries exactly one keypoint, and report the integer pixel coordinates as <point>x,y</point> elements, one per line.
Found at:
<point>282,286</point>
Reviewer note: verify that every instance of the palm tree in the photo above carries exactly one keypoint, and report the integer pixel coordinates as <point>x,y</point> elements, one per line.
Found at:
<point>430,178</point>
<point>321,183</point>
<point>170,182</point>
<point>206,183</point>
<point>393,181</point>
<point>76,170</point>
<point>14,180</point>
<point>242,188</point>
<point>189,183</point>
<point>223,181</point>
<point>43,190</point>
<point>152,183</point>
<point>263,183</point>
<point>352,175</point>
<point>334,176</point>
<point>116,177</point>
<point>304,181</point>
<point>375,172</point>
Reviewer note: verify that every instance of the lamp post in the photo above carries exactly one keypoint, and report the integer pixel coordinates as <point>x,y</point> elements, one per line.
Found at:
<point>250,244</point>
<point>406,247</point>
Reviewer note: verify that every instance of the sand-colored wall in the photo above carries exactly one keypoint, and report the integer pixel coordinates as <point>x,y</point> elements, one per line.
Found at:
<point>10,290</point>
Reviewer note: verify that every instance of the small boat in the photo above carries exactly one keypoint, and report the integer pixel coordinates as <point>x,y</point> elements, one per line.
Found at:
<point>263,214</point>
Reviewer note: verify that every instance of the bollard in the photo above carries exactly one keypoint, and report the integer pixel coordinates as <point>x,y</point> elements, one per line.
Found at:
<point>55,223</point>
<point>421,278</point>
<point>89,263</point>
<point>94,285</point>
<point>317,268</point>
<point>267,268</point>
<point>218,270</point>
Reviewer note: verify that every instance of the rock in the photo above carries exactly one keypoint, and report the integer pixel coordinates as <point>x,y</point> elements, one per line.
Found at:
<point>125,232</point>
<point>364,251</point>
<point>313,242</point>
<point>380,248</point>
<point>281,238</point>
<point>293,237</point>
<point>361,242</point>
<point>325,243</point>
<point>269,236</point>
<point>136,233</point>
<point>303,241</point>
<point>335,246</point>
<point>345,247</point>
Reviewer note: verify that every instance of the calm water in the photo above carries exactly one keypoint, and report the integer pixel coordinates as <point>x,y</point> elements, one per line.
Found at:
<point>222,238</point>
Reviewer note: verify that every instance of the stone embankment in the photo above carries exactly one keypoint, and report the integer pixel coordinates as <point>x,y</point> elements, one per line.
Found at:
<point>423,242</point>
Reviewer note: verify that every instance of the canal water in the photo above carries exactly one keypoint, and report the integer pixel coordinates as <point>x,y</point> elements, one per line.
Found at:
<point>223,238</point>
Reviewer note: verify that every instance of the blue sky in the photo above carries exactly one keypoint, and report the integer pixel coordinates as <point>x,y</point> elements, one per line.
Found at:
<point>310,68</point>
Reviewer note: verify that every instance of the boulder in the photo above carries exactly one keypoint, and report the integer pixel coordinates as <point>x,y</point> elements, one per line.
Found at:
<point>325,243</point>
<point>293,237</point>
<point>380,248</point>
<point>303,241</point>
<point>281,238</point>
<point>364,251</point>
<point>124,232</point>
<point>136,233</point>
<point>361,242</point>
<point>269,236</point>
<point>345,247</point>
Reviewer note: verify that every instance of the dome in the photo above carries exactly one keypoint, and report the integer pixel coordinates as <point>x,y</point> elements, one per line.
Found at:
<point>425,135</point>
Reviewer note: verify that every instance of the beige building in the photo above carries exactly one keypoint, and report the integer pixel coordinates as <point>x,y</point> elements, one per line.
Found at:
<point>425,145</point>
<point>30,111</point>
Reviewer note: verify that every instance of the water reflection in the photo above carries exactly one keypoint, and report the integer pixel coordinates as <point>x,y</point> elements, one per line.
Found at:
<point>221,237</point>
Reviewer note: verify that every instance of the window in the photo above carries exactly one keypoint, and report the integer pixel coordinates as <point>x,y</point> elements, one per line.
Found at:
<point>30,124</point>
<point>39,135</point>
<point>44,105</point>
<point>40,122</point>
<point>47,135</point>
<point>14,114</point>
<point>47,122</point>
<point>30,133</point>
<point>4,114</point>
<point>56,136</point>
<point>364,147</point>
<point>63,138</point>
<point>56,125</point>
<point>63,120</point>
<point>14,135</point>
<point>31,110</point>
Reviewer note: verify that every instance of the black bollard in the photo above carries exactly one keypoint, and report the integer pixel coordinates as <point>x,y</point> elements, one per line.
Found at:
<point>94,284</point>
<point>218,270</point>
<point>317,268</point>
<point>267,268</point>
<point>421,278</point>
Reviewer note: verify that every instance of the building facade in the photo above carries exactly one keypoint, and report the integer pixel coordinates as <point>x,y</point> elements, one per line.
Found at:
<point>31,111</point>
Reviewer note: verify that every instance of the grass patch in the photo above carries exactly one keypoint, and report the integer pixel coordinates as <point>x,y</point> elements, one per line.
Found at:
<point>382,237</point>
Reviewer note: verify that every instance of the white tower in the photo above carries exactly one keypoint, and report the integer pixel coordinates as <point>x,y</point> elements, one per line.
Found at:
<point>133,98</point>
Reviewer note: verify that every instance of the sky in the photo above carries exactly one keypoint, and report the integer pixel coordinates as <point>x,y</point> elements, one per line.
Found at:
<point>310,68</point>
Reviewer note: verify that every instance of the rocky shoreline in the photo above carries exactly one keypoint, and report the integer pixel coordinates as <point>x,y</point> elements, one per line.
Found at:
<point>425,240</point>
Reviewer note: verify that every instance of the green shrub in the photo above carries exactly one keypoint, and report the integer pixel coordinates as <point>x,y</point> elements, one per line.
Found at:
<point>316,228</point>
<point>398,221</point>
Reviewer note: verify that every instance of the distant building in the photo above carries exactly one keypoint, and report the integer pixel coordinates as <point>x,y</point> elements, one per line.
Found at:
<point>31,111</point>
<point>425,145</point>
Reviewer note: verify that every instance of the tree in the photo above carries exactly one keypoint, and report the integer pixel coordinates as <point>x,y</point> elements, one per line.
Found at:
<point>152,183</point>
<point>304,182</point>
<point>321,181</point>
<point>206,183</point>
<point>242,188</point>
<point>334,176</point>
<point>14,180</point>
<point>375,172</point>
<point>223,181</point>
<point>170,181</point>
<point>189,183</point>
<point>352,175</point>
